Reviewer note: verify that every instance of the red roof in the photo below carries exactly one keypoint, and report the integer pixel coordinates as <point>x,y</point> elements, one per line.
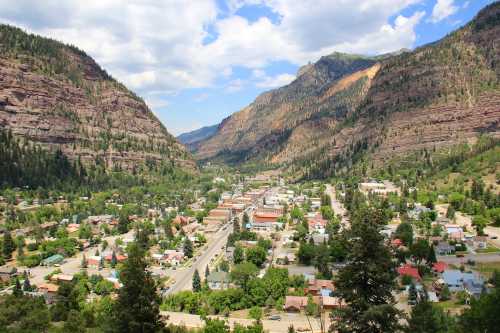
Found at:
<point>396,242</point>
<point>440,266</point>
<point>410,271</point>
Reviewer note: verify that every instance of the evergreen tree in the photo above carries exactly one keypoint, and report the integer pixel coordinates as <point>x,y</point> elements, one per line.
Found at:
<point>431,257</point>
<point>196,281</point>
<point>26,282</point>
<point>367,281</point>
<point>426,318</point>
<point>84,262</point>
<point>17,291</point>
<point>8,245</point>
<point>188,248</point>
<point>412,293</point>
<point>207,272</point>
<point>236,225</point>
<point>137,307</point>
<point>114,260</point>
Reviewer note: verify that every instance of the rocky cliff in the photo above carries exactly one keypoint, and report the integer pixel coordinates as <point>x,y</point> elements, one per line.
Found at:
<point>344,106</point>
<point>56,95</point>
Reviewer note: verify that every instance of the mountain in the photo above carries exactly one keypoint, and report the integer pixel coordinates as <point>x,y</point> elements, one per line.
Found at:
<point>344,107</point>
<point>57,96</point>
<point>191,139</point>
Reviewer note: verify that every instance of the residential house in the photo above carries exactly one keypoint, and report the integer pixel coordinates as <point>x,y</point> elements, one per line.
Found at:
<point>7,273</point>
<point>52,260</point>
<point>61,278</point>
<point>317,287</point>
<point>218,280</point>
<point>319,239</point>
<point>444,248</point>
<point>455,279</point>
<point>295,303</point>
<point>317,224</point>
<point>454,232</point>
<point>49,292</point>
<point>409,270</point>
<point>439,267</point>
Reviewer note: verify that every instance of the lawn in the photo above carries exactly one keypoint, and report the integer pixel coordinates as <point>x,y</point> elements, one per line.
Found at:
<point>487,268</point>
<point>488,249</point>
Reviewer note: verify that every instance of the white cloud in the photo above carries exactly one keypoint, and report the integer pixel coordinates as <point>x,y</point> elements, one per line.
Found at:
<point>275,81</point>
<point>167,46</point>
<point>235,85</point>
<point>442,10</point>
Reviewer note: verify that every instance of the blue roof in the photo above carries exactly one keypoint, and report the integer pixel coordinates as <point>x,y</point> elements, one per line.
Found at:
<point>456,277</point>
<point>325,292</point>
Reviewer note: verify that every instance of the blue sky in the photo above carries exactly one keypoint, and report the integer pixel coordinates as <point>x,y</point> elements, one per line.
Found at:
<point>196,62</point>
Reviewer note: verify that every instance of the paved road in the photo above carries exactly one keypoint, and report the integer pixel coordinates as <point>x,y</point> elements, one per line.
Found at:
<point>299,321</point>
<point>337,206</point>
<point>184,277</point>
<point>483,257</point>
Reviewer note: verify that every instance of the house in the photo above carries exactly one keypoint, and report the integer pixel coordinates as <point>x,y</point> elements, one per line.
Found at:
<point>439,267</point>
<point>444,248</point>
<point>454,232</point>
<point>295,303</point>
<point>417,211</point>
<point>174,257</point>
<point>329,302</point>
<point>317,287</point>
<point>396,242</point>
<point>52,260</point>
<point>7,273</point>
<point>61,278</point>
<point>409,270</point>
<point>286,258</point>
<point>317,224</point>
<point>474,287</point>
<point>94,261</point>
<point>119,257</point>
<point>480,242</point>
<point>218,280</point>
<point>455,279</point>
<point>49,292</point>
<point>319,239</point>
<point>265,220</point>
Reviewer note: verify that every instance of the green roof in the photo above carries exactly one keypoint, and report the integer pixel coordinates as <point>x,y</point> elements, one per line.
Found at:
<point>56,258</point>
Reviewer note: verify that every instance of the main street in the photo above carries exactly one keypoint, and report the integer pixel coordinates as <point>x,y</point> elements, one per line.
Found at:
<point>183,277</point>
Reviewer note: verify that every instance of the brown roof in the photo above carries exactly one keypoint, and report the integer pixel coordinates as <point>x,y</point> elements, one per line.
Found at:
<point>49,287</point>
<point>295,302</point>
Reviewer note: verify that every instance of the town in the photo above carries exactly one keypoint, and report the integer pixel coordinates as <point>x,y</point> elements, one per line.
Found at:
<point>250,248</point>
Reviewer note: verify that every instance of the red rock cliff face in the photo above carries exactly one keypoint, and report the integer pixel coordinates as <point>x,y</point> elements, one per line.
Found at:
<point>438,95</point>
<point>59,97</point>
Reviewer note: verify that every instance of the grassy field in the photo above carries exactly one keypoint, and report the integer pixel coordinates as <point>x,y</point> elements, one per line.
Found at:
<point>487,268</point>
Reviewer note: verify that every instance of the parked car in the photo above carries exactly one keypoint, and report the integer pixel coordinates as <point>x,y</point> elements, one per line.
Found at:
<point>275,317</point>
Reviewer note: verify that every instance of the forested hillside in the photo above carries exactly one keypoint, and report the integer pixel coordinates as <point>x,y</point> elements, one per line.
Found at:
<point>434,97</point>
<point>57,96</point>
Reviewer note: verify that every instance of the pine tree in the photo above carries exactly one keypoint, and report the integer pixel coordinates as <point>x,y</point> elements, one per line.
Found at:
<point>18,291</point>
<point>427,318</point>
<point>431,257</point>
<point>367,281</point>
<point>114,260</point>
<point>188,248</point>
<point>196,281</point>
<point>137,307</point>
<point>8,245</point>
<point>207,272</point>
<point>412,293</point>
<point>26,282</point>
<point>84,262</point>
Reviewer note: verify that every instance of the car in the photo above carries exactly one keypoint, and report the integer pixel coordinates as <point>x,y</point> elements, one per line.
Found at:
<point>494,237</point>
<point>274,317</point>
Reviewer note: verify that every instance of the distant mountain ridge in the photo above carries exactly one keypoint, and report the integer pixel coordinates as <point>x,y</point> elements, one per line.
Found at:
<point>344,106</point>
<point>57,96</point>
<point>192,138</point>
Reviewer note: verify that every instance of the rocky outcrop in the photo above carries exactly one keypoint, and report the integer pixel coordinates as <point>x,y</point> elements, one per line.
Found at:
<point>57,96</point>
<point>342,106</point>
